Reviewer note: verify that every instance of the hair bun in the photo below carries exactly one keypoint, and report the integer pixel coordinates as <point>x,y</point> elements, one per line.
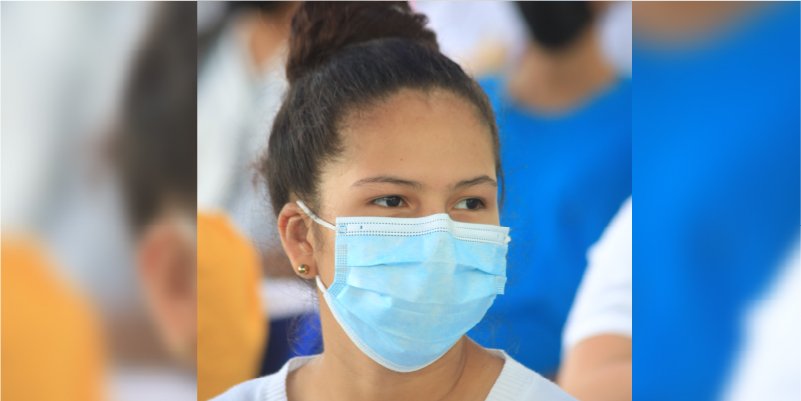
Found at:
<point>321,29</point>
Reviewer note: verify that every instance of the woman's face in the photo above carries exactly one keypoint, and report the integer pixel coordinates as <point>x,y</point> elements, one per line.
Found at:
<point>415,154</point>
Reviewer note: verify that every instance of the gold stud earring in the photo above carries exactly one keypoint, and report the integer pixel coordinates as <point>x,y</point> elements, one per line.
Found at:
<point>303,269</point>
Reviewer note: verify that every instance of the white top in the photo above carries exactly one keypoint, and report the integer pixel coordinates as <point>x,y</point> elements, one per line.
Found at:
<point>770,360</point>
<point>603,301</point>
<point>516,382</point>
<point>135,383</point>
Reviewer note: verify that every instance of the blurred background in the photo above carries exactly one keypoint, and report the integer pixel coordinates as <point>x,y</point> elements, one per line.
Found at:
<point>716,174</point>
<point>98,208</point>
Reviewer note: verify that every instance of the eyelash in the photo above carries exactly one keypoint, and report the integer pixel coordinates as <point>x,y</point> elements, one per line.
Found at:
<point>482,204</point>
<point>403,202</point>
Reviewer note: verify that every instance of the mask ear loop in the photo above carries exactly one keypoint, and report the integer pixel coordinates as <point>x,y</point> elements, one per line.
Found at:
<point>314,217</point>
<point>321,222</point>
<point>320,284</point>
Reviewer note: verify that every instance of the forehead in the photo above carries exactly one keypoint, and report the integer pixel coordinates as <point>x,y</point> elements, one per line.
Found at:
<point>419,132</point>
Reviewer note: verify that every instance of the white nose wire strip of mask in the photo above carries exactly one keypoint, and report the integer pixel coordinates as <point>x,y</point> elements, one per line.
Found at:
<point>314,217</point>
<point>413,226</point>
<point>419,226</point>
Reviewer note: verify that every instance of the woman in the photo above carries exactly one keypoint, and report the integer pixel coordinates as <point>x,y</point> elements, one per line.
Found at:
<point>378,124</point>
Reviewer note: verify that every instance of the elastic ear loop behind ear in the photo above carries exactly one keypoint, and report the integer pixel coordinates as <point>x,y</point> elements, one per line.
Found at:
<point>321,222</point>
<point>314,217</point>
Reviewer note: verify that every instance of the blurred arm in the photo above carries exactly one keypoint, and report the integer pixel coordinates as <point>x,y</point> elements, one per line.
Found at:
<point>598,334</point>
<point>598,369</point>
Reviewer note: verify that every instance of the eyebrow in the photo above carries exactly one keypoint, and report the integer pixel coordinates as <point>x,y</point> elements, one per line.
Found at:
<point>482,179</point>
<point>387,179</point>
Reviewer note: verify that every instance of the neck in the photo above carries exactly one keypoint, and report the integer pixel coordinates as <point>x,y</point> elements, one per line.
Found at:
<point>343,372</point>
<point>680,22</point>
<point>553,81</point>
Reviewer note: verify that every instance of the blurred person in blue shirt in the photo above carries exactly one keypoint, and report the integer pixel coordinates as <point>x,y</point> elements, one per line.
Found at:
<point>716,156</point>
<point>564,116</point>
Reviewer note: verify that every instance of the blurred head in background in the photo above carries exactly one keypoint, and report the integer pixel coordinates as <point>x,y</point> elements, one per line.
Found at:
<point>556,25</point>
<point>263,27</point>
<point>154,149</point>
<point>564,62</point>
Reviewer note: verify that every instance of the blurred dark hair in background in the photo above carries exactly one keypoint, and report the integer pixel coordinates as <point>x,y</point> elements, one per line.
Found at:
<point>554,24</point>
<point>156,137</point>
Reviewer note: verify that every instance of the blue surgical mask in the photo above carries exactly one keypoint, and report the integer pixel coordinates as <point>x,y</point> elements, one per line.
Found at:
<point>405,290</point>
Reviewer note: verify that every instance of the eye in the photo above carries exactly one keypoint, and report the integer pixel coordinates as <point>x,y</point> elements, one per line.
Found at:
<point>470,204</point>
<point>389,201</point>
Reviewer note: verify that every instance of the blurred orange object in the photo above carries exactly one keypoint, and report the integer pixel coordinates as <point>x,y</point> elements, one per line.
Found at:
<point>52,345</point>
<point>232,326</point>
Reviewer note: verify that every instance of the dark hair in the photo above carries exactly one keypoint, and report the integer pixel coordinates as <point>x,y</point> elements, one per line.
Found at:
<point>556,24</point>
<point>155,141</point>
<point>346,55</point>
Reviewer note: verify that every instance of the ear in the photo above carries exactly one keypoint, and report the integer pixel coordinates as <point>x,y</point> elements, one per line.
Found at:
<point>166,266</point>
<point>294,227</point>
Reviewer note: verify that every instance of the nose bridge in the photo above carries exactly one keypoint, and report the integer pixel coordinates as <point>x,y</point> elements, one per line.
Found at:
<point>425,212</point>
<point>433,201</point>
<point>440,250</point>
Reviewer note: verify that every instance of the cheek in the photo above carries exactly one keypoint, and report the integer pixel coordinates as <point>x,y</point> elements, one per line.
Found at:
<point>324,252</point>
